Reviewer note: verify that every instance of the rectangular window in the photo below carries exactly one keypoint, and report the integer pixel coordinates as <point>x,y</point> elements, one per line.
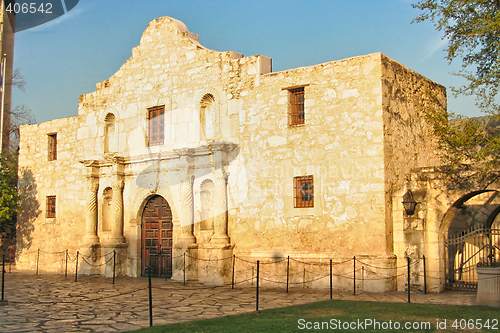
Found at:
<point>51,206</point>
<point>156,125</point>
<point>304,192</point>
<point>297,114</point>
<point>52,149</point>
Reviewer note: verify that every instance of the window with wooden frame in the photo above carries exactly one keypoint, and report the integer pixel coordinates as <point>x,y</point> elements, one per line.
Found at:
<point>52,147</point>
<point>156,125</point>
<point>297,113</point>
<point>304,192</point>
<point>51,206</point>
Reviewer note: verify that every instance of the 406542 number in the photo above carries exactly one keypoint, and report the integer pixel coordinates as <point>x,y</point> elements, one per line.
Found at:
<point>31,8</point>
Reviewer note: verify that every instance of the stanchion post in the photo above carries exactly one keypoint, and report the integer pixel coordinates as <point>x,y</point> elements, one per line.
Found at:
<point>257,295</point>
<point>66,268</point>
<point>425,277</point>
<point>232,280</point>
<point>37,261</point>
<point>252,274</point>
<point>408,261</point>
<point>10,259</point>
<point>331,279</point>
<point>354,260</point>
<point>114,265</point>
<point>76,270</point>
<point>184,263</point>
<point>362,278</point>
<point>287,273</point>
<point>150,299</point>
<point>3,276</point>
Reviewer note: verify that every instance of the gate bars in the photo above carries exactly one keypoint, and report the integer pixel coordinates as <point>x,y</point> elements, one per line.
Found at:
<point>464,251</point>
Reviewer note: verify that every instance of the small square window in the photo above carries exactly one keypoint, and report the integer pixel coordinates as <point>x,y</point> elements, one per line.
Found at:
<point>52,147</point>
<point>297,113</point>
<point>304,192</point>
<point>156,125</point>
<point>51,206</point>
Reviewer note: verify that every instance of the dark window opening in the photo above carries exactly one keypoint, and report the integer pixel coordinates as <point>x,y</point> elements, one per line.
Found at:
<point>304,192</point>
<point>297,111</point>
<point>156,125</point>
<point>51,206</point>
<point>52,156</point>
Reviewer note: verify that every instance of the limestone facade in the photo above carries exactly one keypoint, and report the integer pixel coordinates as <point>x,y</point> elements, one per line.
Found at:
<point>224,154</point>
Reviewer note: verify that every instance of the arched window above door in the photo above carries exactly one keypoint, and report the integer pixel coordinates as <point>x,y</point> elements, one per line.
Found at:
<point>207,117</point>
<point>110,142</point>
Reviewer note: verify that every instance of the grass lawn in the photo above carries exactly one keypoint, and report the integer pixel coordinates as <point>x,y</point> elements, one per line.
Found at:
<point>310,317</point>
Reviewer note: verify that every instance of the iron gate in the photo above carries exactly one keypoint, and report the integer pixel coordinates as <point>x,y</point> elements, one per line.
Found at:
<point>465,251</point>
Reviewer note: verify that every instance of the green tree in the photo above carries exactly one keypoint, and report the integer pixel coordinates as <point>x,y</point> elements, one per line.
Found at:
<point>9,198</point>
<point>470,146</point>
<point>472,28</point>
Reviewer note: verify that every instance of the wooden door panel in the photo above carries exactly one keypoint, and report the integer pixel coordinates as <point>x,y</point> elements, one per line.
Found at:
<point>157,236</point>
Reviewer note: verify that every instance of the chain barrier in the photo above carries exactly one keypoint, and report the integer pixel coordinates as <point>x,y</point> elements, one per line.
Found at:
<point>321,264</point>
<point>96,265</point>
<point>201,259</point>
<point>292,272</point>
<point>368,272</point>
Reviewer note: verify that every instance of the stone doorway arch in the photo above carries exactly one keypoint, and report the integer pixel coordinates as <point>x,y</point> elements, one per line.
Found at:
<point>157,237</point>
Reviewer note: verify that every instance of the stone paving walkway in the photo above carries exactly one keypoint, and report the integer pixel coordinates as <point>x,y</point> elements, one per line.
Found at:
<point>53,303</point>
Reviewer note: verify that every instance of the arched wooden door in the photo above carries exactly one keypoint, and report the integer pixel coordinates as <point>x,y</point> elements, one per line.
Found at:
<point>157,237</point>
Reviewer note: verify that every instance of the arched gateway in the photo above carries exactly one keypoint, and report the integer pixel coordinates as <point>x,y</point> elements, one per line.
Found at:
<point>157,240</point>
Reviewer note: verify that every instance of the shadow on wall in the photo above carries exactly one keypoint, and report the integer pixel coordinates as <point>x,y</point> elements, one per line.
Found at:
<point>28,211</point>
<point>154,178</point>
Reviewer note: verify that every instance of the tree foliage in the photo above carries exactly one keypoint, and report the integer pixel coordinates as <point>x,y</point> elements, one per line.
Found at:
<point>9,198</point>
<point>19,115</point>
<point>472,28</point>
<point>470,146</point>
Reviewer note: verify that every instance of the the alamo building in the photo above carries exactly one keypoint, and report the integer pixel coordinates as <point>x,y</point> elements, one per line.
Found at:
<point>188,159</point>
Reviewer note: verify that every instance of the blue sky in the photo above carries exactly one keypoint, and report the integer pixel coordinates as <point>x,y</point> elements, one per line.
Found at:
<point>66,57</point>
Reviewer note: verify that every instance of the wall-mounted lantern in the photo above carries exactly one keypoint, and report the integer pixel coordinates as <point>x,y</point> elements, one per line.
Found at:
<point>409,203</point>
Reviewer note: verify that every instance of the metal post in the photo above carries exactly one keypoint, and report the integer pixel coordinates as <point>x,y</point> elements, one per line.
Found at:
<point>37,261</point>
<point>150,299</point>
<point>232,281</point>
<point>10,259</point>
<point>354,275</point>
<point>114,265</point>
<point>3,276</point>
<point>184,268</point>
<point>408,261</point>
<point>2,113</point>
<point>66,269</point>
<point>425,277</point>
<point>257,295</point>
<point>331,279</point>
<point>287,273</point>
<point>76,270</point>
<point>362,278</point>
<point>304,279</point>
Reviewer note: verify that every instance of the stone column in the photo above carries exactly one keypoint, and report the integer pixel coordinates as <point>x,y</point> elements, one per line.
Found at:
<point>117,217</point>
<point>186,237</point>
<point>220,208</point>
<point>91,212</point>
